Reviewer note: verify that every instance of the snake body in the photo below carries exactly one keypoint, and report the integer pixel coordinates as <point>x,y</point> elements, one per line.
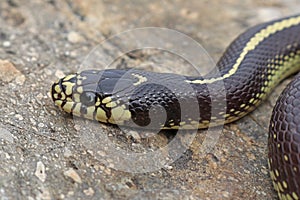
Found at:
<point>249,69</point>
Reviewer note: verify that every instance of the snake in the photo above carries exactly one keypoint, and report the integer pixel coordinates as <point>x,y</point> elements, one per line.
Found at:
<point>249,69</point>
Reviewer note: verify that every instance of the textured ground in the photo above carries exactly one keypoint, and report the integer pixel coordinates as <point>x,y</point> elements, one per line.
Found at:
<point>44,154</point>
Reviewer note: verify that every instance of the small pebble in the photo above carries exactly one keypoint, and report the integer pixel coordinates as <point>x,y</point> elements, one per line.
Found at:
<point>13,101</point>
<point>89,192</point>
<point>267,14</point>
<point>48,72</point>
<point>40,96</point>
<point>40,171</point>
<point>41,125</point>
<point>74,37</point>
<point>33,122</point>
<point>71,173</point>
<point>188,14</point>
<point>6,44</point>
<point>9,72</point>
<point>6,135</point>
<point>135,135</point>
<point>19,117</point>
<point>73,54</point>
<point>67,153</point>
<point>59,74</point>
<point>20,79</point>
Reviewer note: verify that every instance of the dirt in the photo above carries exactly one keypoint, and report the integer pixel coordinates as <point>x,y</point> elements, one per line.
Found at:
<point>48,154</point>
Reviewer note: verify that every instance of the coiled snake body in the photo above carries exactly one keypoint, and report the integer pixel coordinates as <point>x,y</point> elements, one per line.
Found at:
<point>249,69</point>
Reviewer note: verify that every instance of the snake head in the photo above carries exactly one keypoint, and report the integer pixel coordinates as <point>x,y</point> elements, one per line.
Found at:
<point>95,94</point>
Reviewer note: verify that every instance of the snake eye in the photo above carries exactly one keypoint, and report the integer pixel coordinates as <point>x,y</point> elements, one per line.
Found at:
<point>88,98</point>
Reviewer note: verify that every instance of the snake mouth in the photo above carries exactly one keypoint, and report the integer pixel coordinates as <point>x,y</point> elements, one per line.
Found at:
<point>62,92</point>
<point>58,91</point>
<point>58,94</point>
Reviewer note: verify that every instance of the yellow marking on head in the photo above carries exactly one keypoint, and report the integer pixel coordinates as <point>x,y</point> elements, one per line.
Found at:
<point>58,102</point>
<point>69,87</point>
<point>80,89</point>
<point>97,102</point>
<point>68,107</point>
<point>67,78</point>
<point>81,77</point>
<point>63,96</point>
<point>141,79</point>
<point>76,97</point>
<point>106,100</point>
<point>111,104</point>
<point>90,112</point>
<point>252,44</point>
<point>101,115</point>
<point>76,109</point>
<point>57,89</point>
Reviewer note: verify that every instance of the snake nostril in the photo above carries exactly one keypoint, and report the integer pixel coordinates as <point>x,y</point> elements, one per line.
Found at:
<point>59,96</point>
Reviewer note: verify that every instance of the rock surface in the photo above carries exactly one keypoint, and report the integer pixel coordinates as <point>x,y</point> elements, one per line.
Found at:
<point>46,154</point>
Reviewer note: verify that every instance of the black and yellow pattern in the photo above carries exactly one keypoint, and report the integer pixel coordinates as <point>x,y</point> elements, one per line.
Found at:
<point>249,69</point>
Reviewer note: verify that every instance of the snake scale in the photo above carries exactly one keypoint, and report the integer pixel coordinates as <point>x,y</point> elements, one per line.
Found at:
<point>249,69</point>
